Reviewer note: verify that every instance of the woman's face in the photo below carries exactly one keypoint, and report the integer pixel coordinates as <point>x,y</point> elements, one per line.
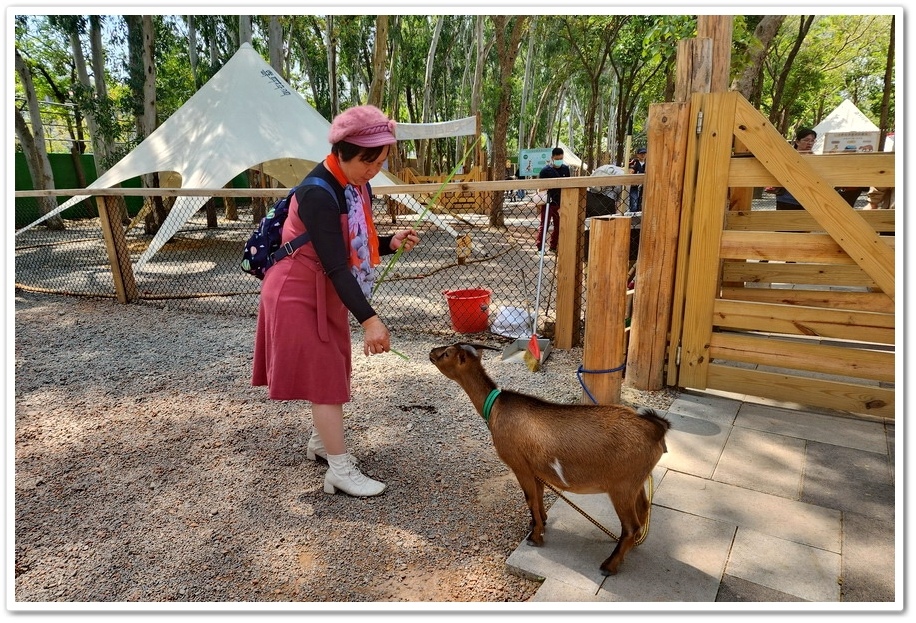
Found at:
<point>359,172</point>
<point>804,145</point>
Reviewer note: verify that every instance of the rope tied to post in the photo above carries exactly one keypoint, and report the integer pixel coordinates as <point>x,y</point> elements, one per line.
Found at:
<point>580,371</point>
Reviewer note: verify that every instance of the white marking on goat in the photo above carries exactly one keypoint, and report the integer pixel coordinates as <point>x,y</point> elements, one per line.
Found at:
<point>559,470</point>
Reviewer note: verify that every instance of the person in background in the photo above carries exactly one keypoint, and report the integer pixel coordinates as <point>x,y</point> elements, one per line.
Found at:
<point>550,214</point>
<point>880,198</point>
<point>637,165</point>
<point>804,142</point>
<point>302,346</point>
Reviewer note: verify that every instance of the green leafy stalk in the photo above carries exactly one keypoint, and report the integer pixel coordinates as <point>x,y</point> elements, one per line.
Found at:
<point>400,250</point>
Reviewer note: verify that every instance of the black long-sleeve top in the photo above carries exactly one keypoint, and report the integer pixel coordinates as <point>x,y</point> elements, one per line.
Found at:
<point>321,218</point>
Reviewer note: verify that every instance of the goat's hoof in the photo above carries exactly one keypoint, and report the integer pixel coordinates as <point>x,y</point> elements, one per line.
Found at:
<point>609,567</point>
<point>533,541</point>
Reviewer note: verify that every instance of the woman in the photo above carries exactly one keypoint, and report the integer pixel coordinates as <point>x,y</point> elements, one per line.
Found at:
<point>804,143</point>
<point>302,347</point>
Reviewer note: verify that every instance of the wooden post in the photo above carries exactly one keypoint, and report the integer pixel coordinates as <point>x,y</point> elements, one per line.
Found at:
<point>718,28</point>
<point>658,241</point>
<point>118,256</point>
<point>693,72</point>
<point>569,268</point>
<point>605,323</point>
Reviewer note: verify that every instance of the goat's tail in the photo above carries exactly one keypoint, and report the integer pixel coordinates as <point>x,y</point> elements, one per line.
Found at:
<point>660,422</point>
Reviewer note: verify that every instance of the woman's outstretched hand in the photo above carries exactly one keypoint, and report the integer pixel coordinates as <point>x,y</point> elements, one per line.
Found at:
<point>406,239</point>
<point>376,338</point>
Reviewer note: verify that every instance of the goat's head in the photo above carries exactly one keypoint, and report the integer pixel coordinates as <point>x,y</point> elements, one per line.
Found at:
<point>455,359</point>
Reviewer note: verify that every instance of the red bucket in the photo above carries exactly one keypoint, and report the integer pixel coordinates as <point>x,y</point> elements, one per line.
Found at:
<point>469,309</point>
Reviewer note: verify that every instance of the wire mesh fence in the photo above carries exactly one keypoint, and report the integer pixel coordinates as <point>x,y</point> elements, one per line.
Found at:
<point>465,276</point>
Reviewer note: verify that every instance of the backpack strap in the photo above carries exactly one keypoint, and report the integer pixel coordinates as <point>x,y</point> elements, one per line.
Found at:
<point>288,248</point>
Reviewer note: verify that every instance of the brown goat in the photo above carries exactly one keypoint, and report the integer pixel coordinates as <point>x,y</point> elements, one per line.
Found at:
<point>579,448</point>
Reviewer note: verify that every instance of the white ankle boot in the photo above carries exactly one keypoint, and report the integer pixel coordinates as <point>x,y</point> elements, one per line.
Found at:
<point>343,474</point>
<point>315,448</point>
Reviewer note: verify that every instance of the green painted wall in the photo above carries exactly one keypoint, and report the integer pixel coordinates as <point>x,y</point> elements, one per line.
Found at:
<point>65,177</point>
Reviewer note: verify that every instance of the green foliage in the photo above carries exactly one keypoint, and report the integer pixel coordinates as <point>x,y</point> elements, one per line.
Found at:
<point>842,56</point>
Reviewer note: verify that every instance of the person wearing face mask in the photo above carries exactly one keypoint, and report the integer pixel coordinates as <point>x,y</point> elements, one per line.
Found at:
<point>303,346</point>
<point>550,213</point>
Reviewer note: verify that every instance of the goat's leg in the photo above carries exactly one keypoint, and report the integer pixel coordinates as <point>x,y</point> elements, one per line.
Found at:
<point>625,505</point>
<point>534,497</point>
<point>642,511</point>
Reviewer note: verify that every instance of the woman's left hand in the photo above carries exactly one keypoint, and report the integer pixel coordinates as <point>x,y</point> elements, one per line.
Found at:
<point>406,239</point>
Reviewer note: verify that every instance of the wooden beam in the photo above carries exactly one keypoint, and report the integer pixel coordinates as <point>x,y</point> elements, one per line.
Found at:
<point>862,301</point>
<point>875,169</point>
<point>810,357</point>
<point>809,321</point>
<point>122,271</point>
<point>658,243</point>
<point>801,391</point>
<point>702,282</point>
<point>795,247</point>
<point>569,269</point>
<point>882,221</point>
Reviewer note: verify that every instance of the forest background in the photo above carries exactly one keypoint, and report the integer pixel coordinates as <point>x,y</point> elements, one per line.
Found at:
<point>100,83</point>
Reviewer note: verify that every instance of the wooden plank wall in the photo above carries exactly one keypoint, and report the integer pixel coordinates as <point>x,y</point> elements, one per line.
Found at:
<point>804,309</point>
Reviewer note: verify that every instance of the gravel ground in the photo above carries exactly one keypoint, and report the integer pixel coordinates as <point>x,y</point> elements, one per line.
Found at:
<point>147,470</point>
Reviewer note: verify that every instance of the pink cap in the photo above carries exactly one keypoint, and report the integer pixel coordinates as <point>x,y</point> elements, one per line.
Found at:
<point>366,126</point>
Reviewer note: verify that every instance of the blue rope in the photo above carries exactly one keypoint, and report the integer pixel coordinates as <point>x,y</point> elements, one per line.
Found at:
<point>582,370</point>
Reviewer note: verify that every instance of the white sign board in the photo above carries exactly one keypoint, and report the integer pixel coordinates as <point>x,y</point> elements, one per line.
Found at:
<point>531,161</point>
<point>850,142</point>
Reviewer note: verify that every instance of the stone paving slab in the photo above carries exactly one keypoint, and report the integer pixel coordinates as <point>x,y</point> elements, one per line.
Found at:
<point>809,573</point>
<point>849,480</point>
<point>710,407</point>
<point>769,514</point>
<point>853,433</point>
<point>681,560</point>
<point>694,444</point>
<point>763,462</point>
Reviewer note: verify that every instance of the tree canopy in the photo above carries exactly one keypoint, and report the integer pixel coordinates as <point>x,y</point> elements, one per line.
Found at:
<point>585,80</point>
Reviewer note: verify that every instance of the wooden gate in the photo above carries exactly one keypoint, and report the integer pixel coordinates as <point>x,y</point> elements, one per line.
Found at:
<point>796,306</point>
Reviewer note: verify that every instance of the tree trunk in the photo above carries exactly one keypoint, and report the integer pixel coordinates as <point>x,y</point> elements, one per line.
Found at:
<point>101,143</point>
<point>507,46</point>
<point>275,46</point>
<point>244,29</point>
<point>379,61</point>
<point>748,82</point>
<point>778,111</point>
<point>331,42</point>
<point>192,50</point>
<point>477,89</point>
<point>888,87</point>
<point>33,145</point>
<point>141,44</point>
<point>423,158</point>
<point>526,84</point>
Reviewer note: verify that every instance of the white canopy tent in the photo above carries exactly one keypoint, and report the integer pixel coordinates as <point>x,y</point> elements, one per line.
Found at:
<point>844,118</point>
<point>245,116</point>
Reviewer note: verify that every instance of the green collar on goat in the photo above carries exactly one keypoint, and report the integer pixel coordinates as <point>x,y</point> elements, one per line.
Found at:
<point>488,405</point>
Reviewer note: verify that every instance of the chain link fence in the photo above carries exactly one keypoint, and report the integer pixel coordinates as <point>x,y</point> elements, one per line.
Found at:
<point>465,276</point>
